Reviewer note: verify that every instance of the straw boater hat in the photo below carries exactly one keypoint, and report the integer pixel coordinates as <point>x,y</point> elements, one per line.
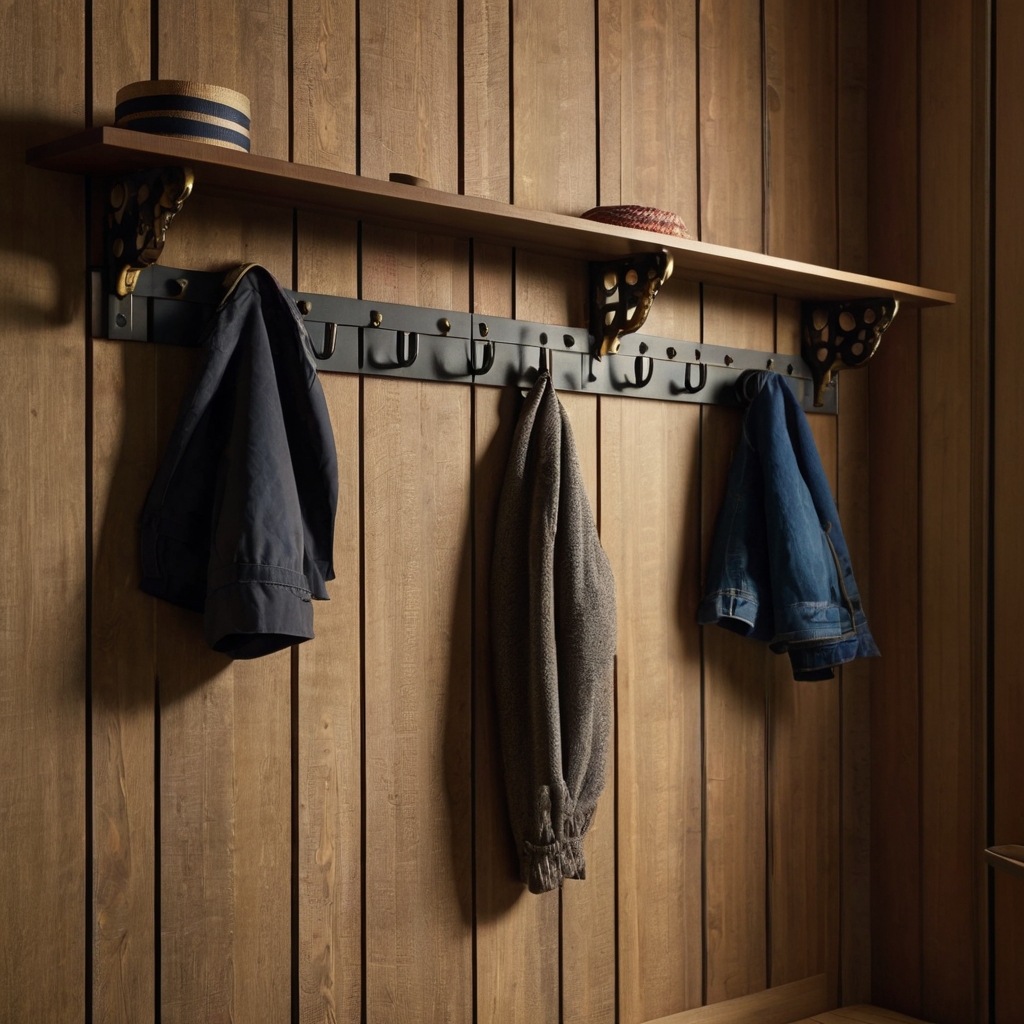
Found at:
<point>186,110</point>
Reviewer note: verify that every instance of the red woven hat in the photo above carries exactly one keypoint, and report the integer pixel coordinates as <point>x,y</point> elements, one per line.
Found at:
<point>646,218</point>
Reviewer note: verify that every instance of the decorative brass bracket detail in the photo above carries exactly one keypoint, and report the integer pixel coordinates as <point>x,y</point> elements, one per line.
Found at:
<point>621,295</point>
<point>841,334</point>
<point>140,210</point>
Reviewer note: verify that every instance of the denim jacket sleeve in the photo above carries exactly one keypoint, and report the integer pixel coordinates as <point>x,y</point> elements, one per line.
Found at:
<point>779,569</point>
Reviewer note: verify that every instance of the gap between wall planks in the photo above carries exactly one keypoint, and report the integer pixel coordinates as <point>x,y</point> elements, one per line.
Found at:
<point>518,938</point>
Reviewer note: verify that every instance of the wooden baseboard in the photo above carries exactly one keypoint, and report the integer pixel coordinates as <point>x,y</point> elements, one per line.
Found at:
<point>781,1005</point>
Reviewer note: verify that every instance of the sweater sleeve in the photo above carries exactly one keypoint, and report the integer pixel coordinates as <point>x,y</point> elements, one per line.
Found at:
<point>553,643</point>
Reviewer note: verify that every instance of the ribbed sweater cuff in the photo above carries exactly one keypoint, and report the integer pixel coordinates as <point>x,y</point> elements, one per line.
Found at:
<point>544,867</point>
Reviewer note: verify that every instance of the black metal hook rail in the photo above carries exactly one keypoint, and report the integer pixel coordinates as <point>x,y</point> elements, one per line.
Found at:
<point>171,306</point>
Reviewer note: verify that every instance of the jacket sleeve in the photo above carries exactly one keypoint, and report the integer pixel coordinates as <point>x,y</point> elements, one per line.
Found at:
<point>553,644</point>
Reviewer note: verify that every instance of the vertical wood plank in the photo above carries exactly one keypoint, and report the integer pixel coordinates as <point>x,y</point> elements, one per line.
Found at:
<point>225,728</point>
<point>42,500</point>
<point>329,685</point>
<point>324,83</point>
<point>123,642</point>
<point>894,521</point>
<point>804,790</point>
<point>736,671</point>
<point>853,484</point>
<point>1008,493</point>
<point>329,697</point>
<point>416,461</point>
<point>416,489</point>
<point>650,460</point>
<point>486,105</point>
<point>648,156</point>
<point>804,749</point>
<point>949,848</point>
<point>554,167</point>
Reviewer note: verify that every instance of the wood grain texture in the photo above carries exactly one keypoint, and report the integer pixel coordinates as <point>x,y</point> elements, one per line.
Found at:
<point>486,105</point>
<point>803,725</point>
<point>736,673</point>
<point>804,772</point>
<point>771,1006</point>
<point>517,961</point>
<point>860,1015</point>
<point>852,499</point>
<point>950,842</point>
<point>800,101</point>
<point>408,68</point>
<point>43,504</point>
<point>329,697</point>
<point>124,386</point>
<point>588,907</point>
<point>1008,492</point>
<point>225,739</point>
<point>324,83</point>
<point>895,524</point>
<point>418,839</point>
<point>554,130</point>
<point>650,461</point>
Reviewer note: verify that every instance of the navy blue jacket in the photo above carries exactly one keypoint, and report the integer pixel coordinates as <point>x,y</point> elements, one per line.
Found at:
<point>239,522</point>
<point>779,570</point>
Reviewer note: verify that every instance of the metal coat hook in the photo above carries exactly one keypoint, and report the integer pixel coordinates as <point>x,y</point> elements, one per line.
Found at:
<point>545,362</point>
<point>485,368</point>
<point>330,341</point>
<point>407,348</point>
<point>702,378</point>
<point>642,381</point>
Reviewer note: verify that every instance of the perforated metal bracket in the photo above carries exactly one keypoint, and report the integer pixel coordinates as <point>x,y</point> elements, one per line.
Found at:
<point>140,208</point>
<point>621,295</point>
<point>842,334</point>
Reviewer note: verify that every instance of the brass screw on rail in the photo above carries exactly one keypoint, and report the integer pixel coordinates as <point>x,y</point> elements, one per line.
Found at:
<point>305,307</point>
<point>376,319</point>
<point>444,324</point>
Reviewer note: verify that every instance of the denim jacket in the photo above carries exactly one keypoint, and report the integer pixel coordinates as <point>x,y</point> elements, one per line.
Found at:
<point>779,570</point>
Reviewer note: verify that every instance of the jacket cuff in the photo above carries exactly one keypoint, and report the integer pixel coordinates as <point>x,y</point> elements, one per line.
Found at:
<point>544,867</point>
<point>250,619</point>
<point>816,661</point>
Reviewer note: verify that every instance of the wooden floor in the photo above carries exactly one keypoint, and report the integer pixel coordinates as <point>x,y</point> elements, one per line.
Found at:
<point>860,1015</point>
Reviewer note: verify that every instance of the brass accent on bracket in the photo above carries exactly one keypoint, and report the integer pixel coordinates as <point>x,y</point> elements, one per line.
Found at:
<point>842,334</point>
<point>621,295</point>
<point>140,209</point>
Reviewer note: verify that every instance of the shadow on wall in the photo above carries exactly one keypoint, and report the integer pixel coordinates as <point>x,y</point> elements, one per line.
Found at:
<point>498,886</point>
<point>41,273</point>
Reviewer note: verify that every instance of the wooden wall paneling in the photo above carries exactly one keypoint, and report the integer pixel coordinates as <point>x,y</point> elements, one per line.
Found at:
<point>853,475</point>
<point>324,67</point>
<point>648,155</point>
<point>416,488</point>
<point>736,674</point>
<point>329,709</point>
<point>650,527</point>
<point>1008,493</point>
<point>950,845</point>
<point>554,167</point>
<point>736,671</point>
<point>801,85</point>
<point>517,934</point>
<point>588,906</point>
<point>894,521</point>
<point>329,698</point>
<point>42,499</point>
<point>225,728</point>
<point>124,456</point>
<point>804,783</point>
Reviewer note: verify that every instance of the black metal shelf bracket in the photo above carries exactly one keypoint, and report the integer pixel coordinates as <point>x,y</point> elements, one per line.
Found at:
<point>842,334</point>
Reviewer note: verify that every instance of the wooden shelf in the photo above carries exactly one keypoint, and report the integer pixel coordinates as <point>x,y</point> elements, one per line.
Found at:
<point>1007,858</point>
<point>109,150</point>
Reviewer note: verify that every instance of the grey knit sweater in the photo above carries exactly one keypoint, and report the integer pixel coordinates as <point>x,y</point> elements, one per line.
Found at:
<point>553,642</point>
